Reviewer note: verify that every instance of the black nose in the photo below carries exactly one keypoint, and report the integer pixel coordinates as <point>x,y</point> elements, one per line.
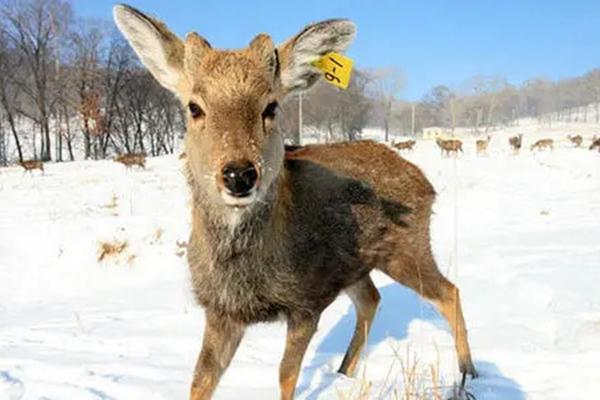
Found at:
<point>239,177</point>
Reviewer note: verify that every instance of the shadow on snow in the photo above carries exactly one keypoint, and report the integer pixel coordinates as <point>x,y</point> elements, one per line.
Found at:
<point>398,307</point>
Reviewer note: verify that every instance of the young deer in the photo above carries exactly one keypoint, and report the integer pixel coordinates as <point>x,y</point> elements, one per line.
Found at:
<point>406,145</point>
<point>131,159</point>
<point>595,143</point>
<point>576,140</point>
<point>482,145</point>
<point>30,165</point>
<point>449,146</point>
<point>543,144</point>
<point>515,143</point>
<point>276,234</point>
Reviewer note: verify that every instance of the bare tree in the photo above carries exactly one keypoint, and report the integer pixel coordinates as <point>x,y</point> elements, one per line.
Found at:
<point>387,86</point>
<point>86,42</point>
<point>9,93</point>
<point>34,27</point>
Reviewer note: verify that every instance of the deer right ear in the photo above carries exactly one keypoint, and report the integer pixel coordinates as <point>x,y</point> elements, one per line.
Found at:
<point>158,48</point>
<point>298,54</point>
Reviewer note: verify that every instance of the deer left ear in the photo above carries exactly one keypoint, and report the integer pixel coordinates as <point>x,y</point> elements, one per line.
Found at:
<point>263,46</point>
<point>158,48</point>
<point>298,53</point>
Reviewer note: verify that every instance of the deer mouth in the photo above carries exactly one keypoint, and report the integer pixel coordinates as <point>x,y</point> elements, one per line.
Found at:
<point>239,201</point>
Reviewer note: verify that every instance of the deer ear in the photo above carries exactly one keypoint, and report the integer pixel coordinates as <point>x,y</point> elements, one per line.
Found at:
<point>298,53</point>
<point>158,48</point>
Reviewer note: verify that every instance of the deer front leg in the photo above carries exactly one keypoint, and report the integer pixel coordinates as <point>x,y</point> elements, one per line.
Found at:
<point>299,334</point>
<point>221,339</point>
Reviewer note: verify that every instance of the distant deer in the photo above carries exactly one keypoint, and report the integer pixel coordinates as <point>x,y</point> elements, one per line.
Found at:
<point>543,144</point>
<point>276,234</point>
<point>515,143</point>
<point>482,145</point>
<point>449,146</point>
<point>131,159</point>
<point>576,140</point>
<point>30,165</point>
<point>595,143</point>
<point>407,145</point>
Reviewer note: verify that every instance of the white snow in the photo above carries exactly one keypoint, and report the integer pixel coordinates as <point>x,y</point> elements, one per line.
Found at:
<point>527,235</point>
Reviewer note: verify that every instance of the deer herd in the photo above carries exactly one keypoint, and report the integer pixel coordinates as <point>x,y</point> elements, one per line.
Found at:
<point>447,146</point>
<point>455,146</point>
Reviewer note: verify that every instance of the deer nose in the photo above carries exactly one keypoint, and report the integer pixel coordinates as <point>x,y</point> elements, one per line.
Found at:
<point>239,178</point>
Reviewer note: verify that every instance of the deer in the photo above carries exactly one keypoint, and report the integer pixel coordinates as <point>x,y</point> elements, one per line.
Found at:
<point>131,159</point>
<point>595,143</point>
<point>576,140</point>
<point>277,234</point>
<point>406,145</point>
<point>543,144</point>
<point>482,145</point>
<point>30,165</point>
<point>449,146</point>
<point>515,143</point>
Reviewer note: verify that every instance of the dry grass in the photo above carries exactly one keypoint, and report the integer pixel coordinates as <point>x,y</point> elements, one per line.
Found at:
<point>181,248</point>
<point>413,381</point>
<point>112,249</point>
<point>113,203</point>
<point>156,237</point>
<point>360,390</point>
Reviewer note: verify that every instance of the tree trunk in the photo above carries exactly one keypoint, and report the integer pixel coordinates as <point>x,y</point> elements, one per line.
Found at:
<point>69,138</point>
<point>2,145</point>
<point>46,154</point>
<point>13,129</point>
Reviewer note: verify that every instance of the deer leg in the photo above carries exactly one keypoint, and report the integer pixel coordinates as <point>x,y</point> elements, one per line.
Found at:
<point>365,297</point>
<point>221,340</point>
<point>299,334</point>
<point>423,277</point>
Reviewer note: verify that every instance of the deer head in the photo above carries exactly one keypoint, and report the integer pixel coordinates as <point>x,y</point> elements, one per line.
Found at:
<point>234,152</point>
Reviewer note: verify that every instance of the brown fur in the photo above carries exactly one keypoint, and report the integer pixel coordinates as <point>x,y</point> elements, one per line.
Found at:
<point>30,165</point>
<point>543,144</point>
<point>482,145</point>
<point>407,145</point>
<point>449,146</point>
<point>323,216</point>
<point>515,143</point>
<point>131,159</point>
<point>576,140</point>
<point>595,144</point>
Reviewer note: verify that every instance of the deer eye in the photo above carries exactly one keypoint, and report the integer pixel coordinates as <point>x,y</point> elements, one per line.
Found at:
<point>195,110</point>
<point>270,110</point>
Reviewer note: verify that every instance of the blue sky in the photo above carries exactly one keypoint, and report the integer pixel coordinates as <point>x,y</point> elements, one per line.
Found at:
<point>431,42</point>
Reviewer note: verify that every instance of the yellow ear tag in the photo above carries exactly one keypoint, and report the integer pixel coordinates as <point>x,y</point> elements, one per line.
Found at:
<point>336,68</point>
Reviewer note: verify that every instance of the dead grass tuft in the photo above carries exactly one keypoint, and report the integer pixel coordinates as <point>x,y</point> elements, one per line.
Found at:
<point>413,381</point>
<point>111,249</point>
<point>156,237</point>
<point>113,203</point>
<point>181,248</point>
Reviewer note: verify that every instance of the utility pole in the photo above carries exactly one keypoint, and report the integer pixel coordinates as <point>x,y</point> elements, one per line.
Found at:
<point>3,156</point>
<point>299,118</point>
<point>412,121</point>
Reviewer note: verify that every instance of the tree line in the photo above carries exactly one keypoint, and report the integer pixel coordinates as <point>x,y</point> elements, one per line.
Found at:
<point>485,103</point>
<point>70,84</point>
<point>72,87</point>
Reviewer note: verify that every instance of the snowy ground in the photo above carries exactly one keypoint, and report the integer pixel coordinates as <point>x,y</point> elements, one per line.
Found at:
<point>126,328</point>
